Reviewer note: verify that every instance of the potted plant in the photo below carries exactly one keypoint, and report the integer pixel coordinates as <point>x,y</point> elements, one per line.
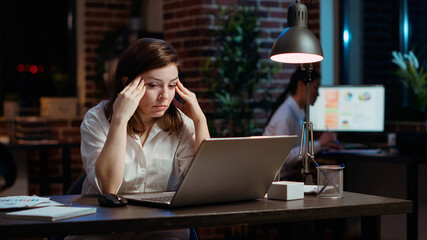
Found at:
<point>236,73</point>
<point>413,77</point>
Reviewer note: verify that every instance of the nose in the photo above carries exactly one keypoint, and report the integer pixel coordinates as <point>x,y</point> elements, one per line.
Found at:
<point>163,94</point>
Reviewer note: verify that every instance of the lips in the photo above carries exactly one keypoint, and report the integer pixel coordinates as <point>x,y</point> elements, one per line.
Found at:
<point>161,107</point>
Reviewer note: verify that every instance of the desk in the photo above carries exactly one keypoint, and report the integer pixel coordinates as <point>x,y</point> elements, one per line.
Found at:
<point>386,156</point>
<point>138,218</point>
<point>66,162</point>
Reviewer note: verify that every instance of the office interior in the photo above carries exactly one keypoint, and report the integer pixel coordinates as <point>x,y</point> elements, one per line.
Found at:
<point>57,59</point>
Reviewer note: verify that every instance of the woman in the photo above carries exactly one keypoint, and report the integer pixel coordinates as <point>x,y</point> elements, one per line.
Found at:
<point>138,140</point>
<point>289,113</point>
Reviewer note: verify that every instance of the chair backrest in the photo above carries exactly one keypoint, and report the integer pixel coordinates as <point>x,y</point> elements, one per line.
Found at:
<point>8,169</point>
<point>76,188</point>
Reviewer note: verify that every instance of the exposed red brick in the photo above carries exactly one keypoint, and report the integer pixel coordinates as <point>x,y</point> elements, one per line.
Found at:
<point>270,4</point>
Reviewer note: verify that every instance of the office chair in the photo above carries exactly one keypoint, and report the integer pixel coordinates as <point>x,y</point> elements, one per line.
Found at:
<point>8,170</point>
<point>76,188</point>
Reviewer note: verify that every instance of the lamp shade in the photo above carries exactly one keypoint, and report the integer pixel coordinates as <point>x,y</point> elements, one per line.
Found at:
<point>297,44</point>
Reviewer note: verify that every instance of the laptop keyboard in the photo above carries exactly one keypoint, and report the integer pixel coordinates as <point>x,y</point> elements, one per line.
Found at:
<point>160,197</point>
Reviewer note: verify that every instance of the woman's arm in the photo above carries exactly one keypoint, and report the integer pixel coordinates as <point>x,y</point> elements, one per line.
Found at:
<point>192,109</point>
<point>110,164</point>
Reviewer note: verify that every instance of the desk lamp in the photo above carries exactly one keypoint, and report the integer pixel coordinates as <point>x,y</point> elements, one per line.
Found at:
<point>298,45</point>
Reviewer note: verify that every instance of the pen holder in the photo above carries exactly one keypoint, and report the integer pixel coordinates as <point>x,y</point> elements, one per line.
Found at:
<point>330,181</point>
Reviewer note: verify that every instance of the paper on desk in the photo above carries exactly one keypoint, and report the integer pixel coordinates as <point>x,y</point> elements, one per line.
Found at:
<point>26,202</point>
<point>310,189</point>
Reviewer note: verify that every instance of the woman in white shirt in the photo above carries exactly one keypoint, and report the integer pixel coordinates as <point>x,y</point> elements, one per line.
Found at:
<point>287,117</point>
<point>138,140</point>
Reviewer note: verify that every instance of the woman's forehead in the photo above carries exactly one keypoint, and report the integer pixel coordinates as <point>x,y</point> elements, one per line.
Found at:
<point>165,74</point>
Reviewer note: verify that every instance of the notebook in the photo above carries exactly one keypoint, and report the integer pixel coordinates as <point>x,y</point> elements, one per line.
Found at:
<point>52,213</point>
<point>226,170</point>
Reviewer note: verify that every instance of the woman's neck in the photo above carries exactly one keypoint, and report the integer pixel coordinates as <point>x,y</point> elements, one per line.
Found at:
<point>146,120</point>
<point>299,100</point>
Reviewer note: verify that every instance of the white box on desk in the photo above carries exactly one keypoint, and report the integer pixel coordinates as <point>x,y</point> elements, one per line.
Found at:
<point>286,190</point>
<point>58,107</point>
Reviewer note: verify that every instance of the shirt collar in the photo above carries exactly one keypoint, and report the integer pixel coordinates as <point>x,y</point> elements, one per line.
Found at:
<point>155,129</point>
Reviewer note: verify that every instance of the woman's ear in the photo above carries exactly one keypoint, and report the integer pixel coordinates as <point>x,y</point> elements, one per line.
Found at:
<point>124,80</point>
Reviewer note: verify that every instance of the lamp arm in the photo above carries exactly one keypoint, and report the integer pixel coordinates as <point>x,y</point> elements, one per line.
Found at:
<point>307,68</point>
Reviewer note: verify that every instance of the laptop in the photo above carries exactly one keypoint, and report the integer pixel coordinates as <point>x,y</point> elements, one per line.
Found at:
<point>226,170</point>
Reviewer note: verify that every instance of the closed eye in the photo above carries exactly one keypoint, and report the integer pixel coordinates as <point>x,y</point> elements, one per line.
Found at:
<point>152,85</point>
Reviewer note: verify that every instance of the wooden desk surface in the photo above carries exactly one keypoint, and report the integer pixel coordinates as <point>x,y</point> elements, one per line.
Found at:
<point>138,218</point>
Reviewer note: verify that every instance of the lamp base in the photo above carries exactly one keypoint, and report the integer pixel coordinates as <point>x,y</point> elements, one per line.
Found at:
<point>307,178</point>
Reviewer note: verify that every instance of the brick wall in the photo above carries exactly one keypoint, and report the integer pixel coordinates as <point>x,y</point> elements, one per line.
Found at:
<point>189,27</point>
<point>100,16</point>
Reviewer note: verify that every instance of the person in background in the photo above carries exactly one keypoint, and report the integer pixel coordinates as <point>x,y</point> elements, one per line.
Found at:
<point>288,115</point>
<point>139,140</point>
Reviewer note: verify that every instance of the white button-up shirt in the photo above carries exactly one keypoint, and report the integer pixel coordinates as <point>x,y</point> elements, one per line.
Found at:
<point>156,166</point>
<point>287,120</point>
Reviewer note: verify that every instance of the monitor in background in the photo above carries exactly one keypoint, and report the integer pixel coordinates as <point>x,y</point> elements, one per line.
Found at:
<point>349,108</point>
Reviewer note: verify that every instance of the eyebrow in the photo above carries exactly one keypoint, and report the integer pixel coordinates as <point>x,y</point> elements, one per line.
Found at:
<point>158,79</point>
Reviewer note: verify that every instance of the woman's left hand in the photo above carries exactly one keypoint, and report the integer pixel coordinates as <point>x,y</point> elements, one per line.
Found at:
<point>191,108</point>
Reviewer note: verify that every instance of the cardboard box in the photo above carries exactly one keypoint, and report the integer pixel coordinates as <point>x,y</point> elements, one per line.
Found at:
<point>58,107</point>
<point>286,190</point>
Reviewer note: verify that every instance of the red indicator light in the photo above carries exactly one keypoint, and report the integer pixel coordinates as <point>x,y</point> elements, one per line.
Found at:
<point>20,68</point>
<point>33,69</point>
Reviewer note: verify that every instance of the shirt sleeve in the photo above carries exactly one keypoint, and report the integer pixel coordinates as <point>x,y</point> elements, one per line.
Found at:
<point>93,137</point>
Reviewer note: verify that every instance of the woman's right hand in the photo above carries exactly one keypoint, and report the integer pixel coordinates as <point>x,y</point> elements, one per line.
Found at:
<point>110,164</point>
<point>328,140</point>
<point>128,99</point>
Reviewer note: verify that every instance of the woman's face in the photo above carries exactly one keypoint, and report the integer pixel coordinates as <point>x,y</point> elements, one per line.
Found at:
<point>160,90</point>
<point>314,90</point>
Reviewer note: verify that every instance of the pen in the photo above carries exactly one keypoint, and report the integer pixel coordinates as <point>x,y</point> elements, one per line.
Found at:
<point>332,177</point>
<point>323,171</point>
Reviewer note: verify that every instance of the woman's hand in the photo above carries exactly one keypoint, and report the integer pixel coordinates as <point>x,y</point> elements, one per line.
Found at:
<point>110,164</point>
<point>192,109</point>
<point>128,99</point>
<point>328,140</point>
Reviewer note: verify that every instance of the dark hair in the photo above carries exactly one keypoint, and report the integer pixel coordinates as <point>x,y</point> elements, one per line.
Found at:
<point>142,56</point>
<point>298,75</point>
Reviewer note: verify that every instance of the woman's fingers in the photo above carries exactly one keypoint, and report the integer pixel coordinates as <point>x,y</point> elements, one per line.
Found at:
<point>179,91</point>
<point>128,99</point>
<point>140,85</point>
<point>131,86</point>
<point>191,107</point>
<point>141,89</point>
<point>186,94</point>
